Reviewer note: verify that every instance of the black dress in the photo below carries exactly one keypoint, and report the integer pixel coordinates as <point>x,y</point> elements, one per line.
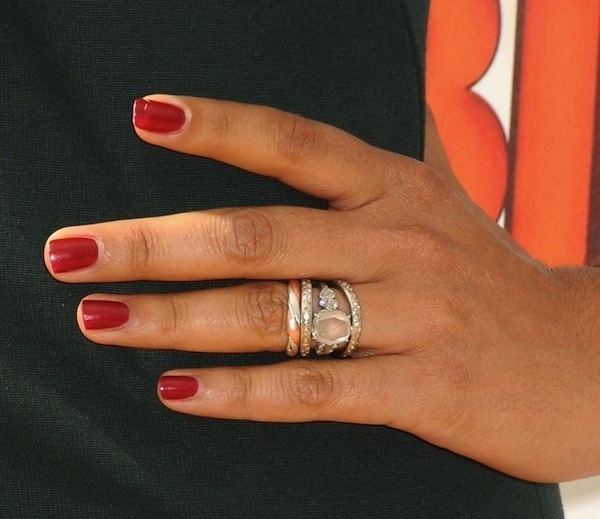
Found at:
<point>82,434</point>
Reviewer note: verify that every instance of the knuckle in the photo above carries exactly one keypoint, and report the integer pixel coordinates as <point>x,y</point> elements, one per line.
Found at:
<point>415,240</point>
<point>297,138</point>
<point>449,354</point>
<point>312,386</point>
<point>221,124</point>
<point>432,250</point>
<point>265,308</point>
<point>428,186</point>
<point>442,328</point>
<point>429,244</point>
<point>448,384</point>
<point>173,318</point>
<point>239,390</point>
<point>248,236</point>
<point>143,246</point>
<point>459,377</point>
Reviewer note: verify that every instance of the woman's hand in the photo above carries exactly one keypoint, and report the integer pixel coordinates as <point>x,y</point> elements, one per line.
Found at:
<point>467,342</point>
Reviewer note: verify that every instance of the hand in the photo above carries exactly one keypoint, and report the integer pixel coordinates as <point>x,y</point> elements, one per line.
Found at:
<point>467,342</point>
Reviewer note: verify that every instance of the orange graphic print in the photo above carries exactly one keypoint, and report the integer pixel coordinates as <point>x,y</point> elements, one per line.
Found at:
<point>555,128</point>
<point>554,111</point>
<point>462,40</point>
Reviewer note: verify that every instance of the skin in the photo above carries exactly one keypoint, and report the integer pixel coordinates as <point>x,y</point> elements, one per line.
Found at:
<point>467,341</point>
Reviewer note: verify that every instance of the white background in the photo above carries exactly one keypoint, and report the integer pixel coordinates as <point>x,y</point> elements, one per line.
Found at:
<point>581,499</point>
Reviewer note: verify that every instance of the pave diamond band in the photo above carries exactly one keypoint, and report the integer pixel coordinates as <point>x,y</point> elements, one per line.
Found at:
<point>356,317</point>
<point>305,317</point>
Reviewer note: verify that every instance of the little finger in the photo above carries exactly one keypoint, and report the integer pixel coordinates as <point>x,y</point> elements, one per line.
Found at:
<point>363,391</point>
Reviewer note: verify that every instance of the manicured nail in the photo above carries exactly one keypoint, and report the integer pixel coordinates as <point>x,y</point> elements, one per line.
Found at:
<point>99,315</point>
<point>177,387</point>
<point>69,254</point>
<point>157,117</point>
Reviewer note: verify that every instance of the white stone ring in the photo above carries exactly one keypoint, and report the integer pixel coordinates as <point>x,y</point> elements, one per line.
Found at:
<point>326,324</point>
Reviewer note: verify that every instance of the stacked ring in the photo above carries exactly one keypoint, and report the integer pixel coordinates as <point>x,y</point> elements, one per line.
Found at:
<point>322,325</point>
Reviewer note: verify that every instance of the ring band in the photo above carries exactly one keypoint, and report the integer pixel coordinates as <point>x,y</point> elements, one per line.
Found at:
<point>305,317</point>
<point>293,323</point>
<point>356,317</point>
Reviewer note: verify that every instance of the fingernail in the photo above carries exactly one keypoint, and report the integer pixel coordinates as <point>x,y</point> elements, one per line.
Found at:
<point>99,315</point>
<point>177,387</point>
<point>157,117</point>
<point>69,254</point>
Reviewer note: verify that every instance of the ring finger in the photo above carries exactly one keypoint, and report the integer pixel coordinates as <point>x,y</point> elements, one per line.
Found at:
<point>250,317</point>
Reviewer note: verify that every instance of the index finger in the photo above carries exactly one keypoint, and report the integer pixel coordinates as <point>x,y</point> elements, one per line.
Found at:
<point>313,157</point>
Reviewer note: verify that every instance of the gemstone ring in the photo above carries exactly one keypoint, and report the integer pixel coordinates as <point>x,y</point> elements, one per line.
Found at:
<point>324,323</point>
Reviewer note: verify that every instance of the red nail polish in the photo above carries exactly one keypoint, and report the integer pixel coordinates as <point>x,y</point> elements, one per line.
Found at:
<point>99,315</point>
<point>177,387</point>
<point>157,117</point>
<point>69,254</point>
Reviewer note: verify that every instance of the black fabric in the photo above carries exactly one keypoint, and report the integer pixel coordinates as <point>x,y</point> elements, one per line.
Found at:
<point>81,431</point>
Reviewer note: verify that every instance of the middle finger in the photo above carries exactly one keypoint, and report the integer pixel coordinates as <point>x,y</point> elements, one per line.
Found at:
<point>254,243</point>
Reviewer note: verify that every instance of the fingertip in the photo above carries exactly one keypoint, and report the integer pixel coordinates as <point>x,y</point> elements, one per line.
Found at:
<point>160,115</point>
<point>99,313</point>
<point>63,255</point>
<point>174,386</point>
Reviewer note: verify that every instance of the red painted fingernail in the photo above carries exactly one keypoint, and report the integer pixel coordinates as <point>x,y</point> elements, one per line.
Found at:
<point>177,387</point>
<point>69,254</point>
<point>156,117</point>
<point>99,315</point>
